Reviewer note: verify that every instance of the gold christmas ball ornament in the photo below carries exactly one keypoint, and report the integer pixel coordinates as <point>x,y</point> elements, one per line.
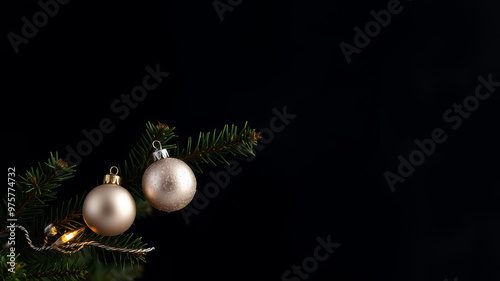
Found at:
<point>109,209</point>
<point>168,184</point>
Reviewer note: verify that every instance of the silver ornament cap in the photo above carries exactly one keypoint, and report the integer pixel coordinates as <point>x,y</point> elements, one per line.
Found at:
<point>168,184</point>
<point>160,153</point>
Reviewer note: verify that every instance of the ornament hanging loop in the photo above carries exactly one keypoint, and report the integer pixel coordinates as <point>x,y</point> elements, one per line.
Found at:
<point>112,177</point>
<point>111,170</point>
<point>160,153</point>
<point>159,143</point>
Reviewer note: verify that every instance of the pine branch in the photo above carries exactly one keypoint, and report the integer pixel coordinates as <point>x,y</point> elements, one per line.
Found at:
<point>38,261</point>
<point>5,274</point>
<point>212,147</point>
<point>66,218</point>
<point>117,258</point>
<point>77,272</point>
<point>143,209</point>
<point>37,187</point>
<point>141,156</point>
<point>54,266</point>
<point>69,218</point>
<point>98,271</point>
<point>62,274</point>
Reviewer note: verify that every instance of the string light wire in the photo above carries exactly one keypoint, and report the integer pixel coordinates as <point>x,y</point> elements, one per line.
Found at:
<point>60,245</point>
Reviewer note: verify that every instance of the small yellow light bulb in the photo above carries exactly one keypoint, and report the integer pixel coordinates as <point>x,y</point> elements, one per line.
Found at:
<point>50,230</point>
<point>68,236</point>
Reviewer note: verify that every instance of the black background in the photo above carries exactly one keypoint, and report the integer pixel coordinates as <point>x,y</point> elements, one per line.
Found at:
<point>323,174</point>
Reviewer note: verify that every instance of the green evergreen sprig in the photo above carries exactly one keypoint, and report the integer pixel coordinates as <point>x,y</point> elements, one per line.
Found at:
<point>140,157</point>
<point>212,147</point>
<point>57,271</point>
<point>37,187</point>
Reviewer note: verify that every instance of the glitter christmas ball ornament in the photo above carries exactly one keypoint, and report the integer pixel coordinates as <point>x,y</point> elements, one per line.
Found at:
<point>168,184</point>
<point>109,209</point>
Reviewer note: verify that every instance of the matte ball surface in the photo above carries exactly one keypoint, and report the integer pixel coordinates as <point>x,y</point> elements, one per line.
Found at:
<point>109,210</point>
<point>169,184</point>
